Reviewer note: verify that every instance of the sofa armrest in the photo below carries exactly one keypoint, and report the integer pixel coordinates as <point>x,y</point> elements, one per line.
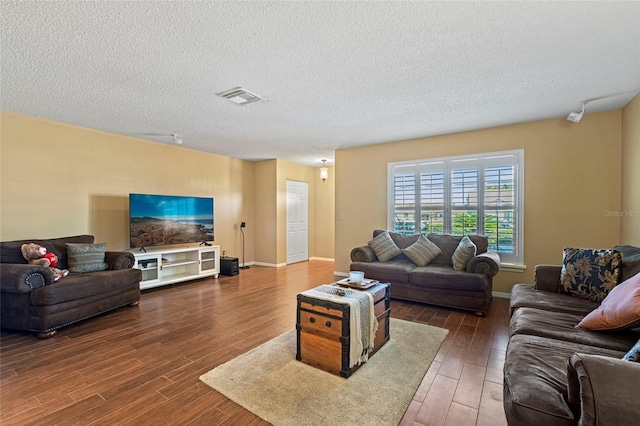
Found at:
<point>20,278</point>
<point>119,259</point>
<point>363,254</point>
<point>602,390</point>
<point>547,277</point>
<point>487,263</point>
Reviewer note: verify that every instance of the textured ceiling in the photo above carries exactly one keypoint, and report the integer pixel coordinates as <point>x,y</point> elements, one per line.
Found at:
<point>334,74</point>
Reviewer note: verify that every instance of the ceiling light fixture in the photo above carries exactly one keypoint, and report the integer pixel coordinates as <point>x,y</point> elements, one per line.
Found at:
<point>324,172</point>
<point>240,96</point>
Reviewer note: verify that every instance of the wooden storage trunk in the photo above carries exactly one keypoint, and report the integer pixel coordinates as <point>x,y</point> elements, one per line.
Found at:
<point>323,331</point>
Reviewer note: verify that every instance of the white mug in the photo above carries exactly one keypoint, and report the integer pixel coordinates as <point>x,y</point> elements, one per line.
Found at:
<point>356,277</point>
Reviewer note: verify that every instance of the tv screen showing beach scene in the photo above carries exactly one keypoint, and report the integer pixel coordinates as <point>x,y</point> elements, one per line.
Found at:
<point>160,220</point>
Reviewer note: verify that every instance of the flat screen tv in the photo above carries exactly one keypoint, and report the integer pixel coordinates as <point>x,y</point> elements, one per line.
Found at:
<point>160,220</point>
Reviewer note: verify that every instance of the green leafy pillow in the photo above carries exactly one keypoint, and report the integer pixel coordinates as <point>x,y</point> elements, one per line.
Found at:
<point>86,257</point>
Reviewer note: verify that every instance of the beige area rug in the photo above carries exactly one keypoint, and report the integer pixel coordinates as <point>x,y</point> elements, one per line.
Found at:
<point>269,382</point>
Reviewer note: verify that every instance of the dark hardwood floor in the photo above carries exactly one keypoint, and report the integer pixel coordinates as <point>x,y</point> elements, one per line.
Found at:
<point>140,365</point>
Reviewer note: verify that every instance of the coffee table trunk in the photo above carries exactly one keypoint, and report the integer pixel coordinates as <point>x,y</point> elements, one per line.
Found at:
<point>323,331</point>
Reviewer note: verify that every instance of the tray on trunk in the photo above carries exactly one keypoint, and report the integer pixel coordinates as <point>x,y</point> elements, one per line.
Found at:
<point>366,283</point>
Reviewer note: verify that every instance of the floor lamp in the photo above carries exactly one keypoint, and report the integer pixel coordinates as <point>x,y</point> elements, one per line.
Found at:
<point>242,226</point>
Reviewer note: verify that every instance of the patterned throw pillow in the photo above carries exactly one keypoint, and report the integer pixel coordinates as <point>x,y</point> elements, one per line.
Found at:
<point>620,310</point>
<point>86,257</point>
<point>384,247</point>
<point>590,274</point>
<point>422,251</point>
<point>464,252</point>
<point>633,354</point>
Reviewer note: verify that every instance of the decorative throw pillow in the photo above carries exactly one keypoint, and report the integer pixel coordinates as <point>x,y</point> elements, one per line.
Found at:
<point>384,247</point>
<point>463,253</point>
<point>630,260</point>
<point>619,310</point>
<point>86,257</point>
<point>422,251</point>
<point>590,274</point>
<point>633,354</point>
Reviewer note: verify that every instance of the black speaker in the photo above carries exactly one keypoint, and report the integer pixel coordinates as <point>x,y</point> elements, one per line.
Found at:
<point>229,266</point>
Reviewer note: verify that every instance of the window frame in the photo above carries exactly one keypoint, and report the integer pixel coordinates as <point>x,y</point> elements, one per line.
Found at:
<point>446,165</point>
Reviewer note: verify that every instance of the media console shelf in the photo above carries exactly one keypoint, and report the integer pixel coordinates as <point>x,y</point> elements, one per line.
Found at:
<point>165,266</point>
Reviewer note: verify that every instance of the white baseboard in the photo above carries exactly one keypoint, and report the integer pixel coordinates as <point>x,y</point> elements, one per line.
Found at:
<point>324,259</point>
<point>269,265</point>
<point>501,295</point>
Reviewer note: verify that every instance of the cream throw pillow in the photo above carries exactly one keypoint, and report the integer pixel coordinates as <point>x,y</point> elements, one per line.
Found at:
<point>384,247</point>
<point>422,251</point>
<point>464,252</point>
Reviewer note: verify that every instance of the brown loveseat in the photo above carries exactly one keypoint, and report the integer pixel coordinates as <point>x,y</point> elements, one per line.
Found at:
<point>437,283</point>
<point>558,374</point>
<point>31,301</point>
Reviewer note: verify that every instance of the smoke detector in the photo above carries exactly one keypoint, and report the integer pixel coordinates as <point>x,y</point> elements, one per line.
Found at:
<point>241,96</point>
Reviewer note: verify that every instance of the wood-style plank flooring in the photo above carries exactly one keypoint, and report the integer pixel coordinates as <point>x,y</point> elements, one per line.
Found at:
<point>140,365</point>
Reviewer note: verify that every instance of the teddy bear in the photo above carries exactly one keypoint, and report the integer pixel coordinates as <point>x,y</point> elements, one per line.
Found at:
<point>37,255</point>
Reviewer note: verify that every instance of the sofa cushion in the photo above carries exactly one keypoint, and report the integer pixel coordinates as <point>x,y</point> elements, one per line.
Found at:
<point>525,295</point>
<point>619,310</point>
<point>535,379</point>
<point>395,271</point>
<point>384,247</point>
<point>79,286</point>
<point>630,261</point>
<point>590,274</point>
<point>463,253</point>
<point>444,277</point>
<point>422,251</point>
<point>86,257</point>
<point>10,250</point>
<point>562,326</point>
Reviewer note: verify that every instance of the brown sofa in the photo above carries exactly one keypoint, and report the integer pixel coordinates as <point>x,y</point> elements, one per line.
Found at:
<point>30,300</point>
<point>437,283</point>
<point>558,374</point>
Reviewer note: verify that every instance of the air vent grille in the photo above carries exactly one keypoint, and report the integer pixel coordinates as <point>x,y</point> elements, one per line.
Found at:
<point>241,96</point>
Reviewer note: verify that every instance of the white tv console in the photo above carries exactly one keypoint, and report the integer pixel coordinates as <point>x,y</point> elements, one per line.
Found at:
<point>163,266</point>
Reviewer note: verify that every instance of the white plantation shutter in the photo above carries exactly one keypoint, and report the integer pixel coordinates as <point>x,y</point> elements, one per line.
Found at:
<point>432,202</point>
<point>461,195</point>
<point>404,206</point>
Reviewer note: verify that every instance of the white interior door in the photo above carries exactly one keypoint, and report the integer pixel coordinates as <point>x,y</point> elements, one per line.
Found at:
<point>297,221</point>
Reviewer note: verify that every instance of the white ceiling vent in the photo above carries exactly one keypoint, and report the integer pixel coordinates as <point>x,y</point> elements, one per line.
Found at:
<point>241,96</point>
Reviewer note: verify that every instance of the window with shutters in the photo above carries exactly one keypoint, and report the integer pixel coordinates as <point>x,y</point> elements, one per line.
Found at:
<point>479,194</point>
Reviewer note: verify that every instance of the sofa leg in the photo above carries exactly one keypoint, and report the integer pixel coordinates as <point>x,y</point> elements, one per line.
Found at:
<point>136,303</point>
<point>47,334</point>
<point>480,314</point>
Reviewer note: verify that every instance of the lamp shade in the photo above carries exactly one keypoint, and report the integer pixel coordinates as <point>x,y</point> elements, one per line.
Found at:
<point>324,172</point>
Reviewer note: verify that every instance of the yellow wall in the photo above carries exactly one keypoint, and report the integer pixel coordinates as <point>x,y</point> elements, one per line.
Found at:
<point>630,209</point>
<point>572,176</point>
<point>59,180</point>
<point>266,212</point>
<point>271,178</point>
<point>324,208</point>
